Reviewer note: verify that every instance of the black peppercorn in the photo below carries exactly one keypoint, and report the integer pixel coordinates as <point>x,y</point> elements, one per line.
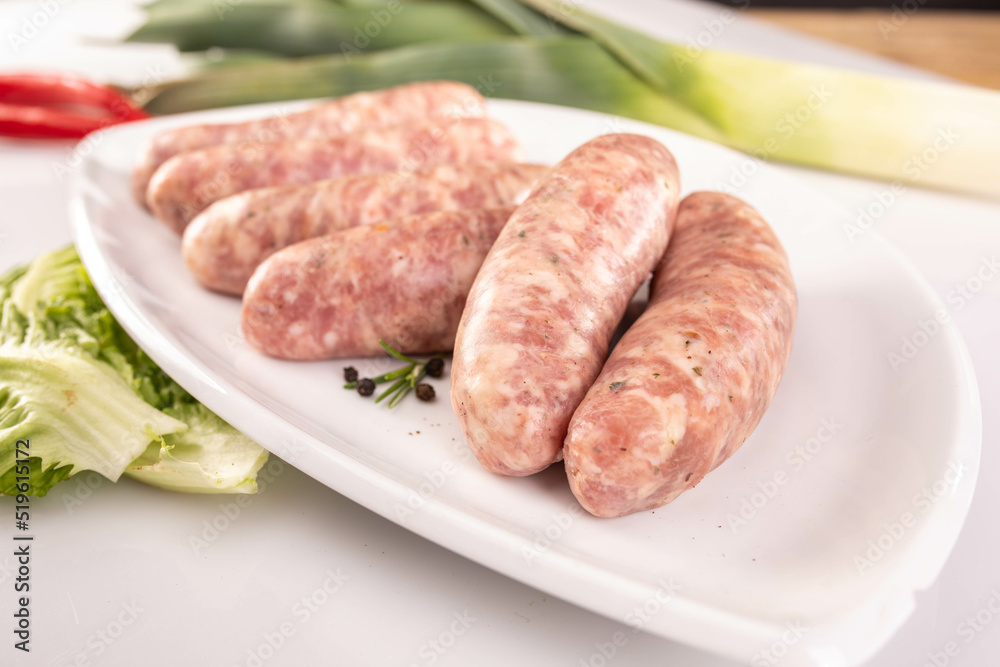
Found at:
<point>435,367</point>
<point>366,387</point>
<point>425,392</point>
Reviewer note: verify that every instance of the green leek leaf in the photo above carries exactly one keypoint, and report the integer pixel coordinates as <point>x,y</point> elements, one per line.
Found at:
<point>570,70</point>
<point>521,19</point>
<point>310,28</point>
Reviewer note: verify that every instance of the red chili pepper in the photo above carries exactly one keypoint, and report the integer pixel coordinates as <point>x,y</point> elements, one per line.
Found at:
<point>43,106</point>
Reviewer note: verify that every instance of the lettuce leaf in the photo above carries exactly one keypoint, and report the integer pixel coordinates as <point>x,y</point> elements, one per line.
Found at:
<point>83,396</point>
<point>209,455</point>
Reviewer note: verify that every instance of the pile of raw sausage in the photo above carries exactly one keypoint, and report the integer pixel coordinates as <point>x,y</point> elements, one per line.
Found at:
<point>360,219</point>
<point>404,215</point>
<point>686,384</point>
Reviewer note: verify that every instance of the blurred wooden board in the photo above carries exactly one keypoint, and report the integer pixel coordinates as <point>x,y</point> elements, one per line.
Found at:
<point>962,45</point>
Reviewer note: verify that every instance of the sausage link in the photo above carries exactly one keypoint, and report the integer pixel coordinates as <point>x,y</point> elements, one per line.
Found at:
<point>403,281</point>
<point>187,183</point>
<point>392,106</point>
<point>540,316</point>
<point>692,377</point>
<point>229,239</point>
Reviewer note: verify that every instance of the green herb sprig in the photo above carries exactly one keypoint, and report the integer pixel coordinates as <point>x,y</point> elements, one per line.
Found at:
<point>404,380</point>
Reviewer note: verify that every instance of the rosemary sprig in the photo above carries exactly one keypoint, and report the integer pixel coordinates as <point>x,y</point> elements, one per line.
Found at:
<point>398,355</point>
<point>404,380</point>
<point>404,385</point>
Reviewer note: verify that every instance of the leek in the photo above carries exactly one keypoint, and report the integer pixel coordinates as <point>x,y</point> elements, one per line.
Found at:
<point>308,28</point>
<point>913,132</point>
<point>569,70</point>
<point>522,19</point>
<point>936,134</point>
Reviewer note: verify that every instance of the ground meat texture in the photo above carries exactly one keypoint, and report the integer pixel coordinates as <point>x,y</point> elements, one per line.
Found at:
<point>403,281</point>
<point>350,113</point>
<point>692,377</point>
<point>229,239</point>
<point>187,183</point>
<point>542,311</point>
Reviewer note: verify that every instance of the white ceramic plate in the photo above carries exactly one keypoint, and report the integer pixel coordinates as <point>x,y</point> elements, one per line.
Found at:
<point>806,547</point>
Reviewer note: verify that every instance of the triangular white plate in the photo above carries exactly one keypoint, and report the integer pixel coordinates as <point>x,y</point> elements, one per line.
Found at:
<point>807,546</point>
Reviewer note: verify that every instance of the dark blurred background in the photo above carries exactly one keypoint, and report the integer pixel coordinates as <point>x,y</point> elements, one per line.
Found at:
<point>959,39</point>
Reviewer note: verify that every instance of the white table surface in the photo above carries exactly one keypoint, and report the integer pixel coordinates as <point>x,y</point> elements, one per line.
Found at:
<point>298,575</point>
